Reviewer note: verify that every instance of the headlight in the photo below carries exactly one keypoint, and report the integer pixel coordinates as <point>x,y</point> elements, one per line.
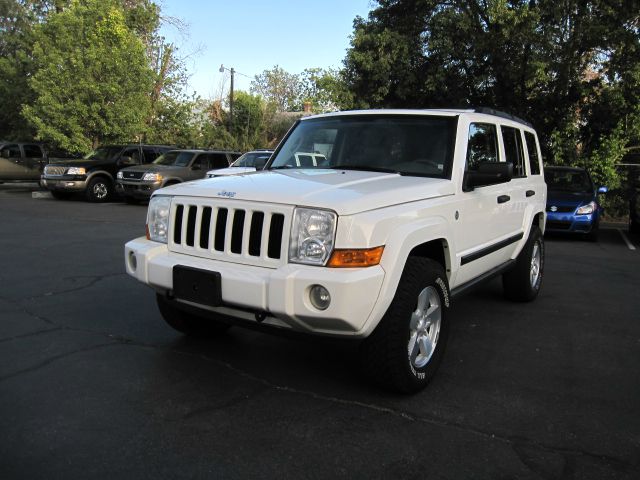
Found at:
<point>119,174</point>
<point>158,218</point>
<point>152,177</point>
<point>586,209</point>
<point>76,171</point>
<point>312,236</point>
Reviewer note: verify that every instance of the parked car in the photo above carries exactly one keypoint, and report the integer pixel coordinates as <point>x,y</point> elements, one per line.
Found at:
<point>247,163</point>
<point>25,161</point>
<point>572,201</point>
<point>95,174</point>
<point>175,166</point>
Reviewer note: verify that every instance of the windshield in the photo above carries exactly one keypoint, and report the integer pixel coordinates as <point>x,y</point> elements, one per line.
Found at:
<point>576,181</point>
<point>249,159</point>
<point>103,153</point>
<point>177,159</point>
<point>417,145</point>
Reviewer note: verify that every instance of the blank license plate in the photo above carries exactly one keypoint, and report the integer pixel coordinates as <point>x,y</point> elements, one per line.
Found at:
<point>198,286</point>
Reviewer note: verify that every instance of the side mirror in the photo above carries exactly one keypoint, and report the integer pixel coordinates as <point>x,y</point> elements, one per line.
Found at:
<point>488,173</point>
<point>603,189</point>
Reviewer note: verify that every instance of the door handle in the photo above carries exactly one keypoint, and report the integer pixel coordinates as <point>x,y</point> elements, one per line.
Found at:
<point>504,198</point>
<point>530,193</point>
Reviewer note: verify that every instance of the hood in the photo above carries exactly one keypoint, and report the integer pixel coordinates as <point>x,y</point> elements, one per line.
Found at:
<point>231,171</point>
<point>346,192</point>
<point>555,197</point>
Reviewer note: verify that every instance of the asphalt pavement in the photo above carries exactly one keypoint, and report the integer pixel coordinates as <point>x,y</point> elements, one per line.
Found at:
<point>93,384</point>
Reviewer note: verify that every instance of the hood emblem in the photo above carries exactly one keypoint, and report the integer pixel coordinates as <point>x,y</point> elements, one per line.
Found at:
<point>554,209</point>
<point>224,193</point>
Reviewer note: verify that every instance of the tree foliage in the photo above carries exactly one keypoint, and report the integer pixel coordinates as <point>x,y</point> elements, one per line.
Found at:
<point>570,67</point>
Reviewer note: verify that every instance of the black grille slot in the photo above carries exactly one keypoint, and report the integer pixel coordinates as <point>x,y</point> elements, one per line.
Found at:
<point>191,225</point>
<point>255,234</point>
<point>275,236</point>
<point>236,231</point>
<point>221,229</point>
<point>177,226</point>
<point>205,226</point>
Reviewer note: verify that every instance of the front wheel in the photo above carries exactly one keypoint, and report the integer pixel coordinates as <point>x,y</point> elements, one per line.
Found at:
<point>99,190</point>
<point>522,283</point>
<point>406,348</point>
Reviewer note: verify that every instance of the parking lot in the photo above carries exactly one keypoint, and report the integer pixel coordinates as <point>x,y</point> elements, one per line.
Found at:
<point>93,384</point>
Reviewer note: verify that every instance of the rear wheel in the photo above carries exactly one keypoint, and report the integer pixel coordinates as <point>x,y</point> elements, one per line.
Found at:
<point>406,348</point>
<point>522,283</point>
<point>188,323</point>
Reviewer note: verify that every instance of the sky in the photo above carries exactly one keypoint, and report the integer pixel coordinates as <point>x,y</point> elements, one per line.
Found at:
<point>255,35</point>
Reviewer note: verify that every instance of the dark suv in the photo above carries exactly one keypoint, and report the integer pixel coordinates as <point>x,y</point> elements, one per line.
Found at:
<point>175,166</point>
<point>95,174</point>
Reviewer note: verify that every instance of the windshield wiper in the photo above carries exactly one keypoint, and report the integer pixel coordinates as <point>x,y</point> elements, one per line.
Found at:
<point>365,168</point>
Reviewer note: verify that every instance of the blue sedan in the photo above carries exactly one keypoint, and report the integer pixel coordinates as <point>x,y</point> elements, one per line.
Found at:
<point>572,201</point>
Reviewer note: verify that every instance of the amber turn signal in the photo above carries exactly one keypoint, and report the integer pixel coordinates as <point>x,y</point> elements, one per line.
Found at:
<point>351,258</point>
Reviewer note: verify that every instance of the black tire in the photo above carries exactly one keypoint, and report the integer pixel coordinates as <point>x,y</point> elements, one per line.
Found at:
<point>522,283</point>
<point>128,199</point>
<point>187,323</point>
<point>99,189</point>
<point>592,236</point>
<point>386,355</point>
<point>60,195</point>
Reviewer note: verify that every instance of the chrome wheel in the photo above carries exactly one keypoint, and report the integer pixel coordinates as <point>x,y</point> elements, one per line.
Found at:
<point>424,328</point>
<point>100,190</point>
<point>534,272</point>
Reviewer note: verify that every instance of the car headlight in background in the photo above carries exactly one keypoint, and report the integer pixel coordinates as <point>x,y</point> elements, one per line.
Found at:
<point>158,218</point>
<point>152,177</point>
<point>586,209</point>
<point>312,236</point>
<point>76,171</point>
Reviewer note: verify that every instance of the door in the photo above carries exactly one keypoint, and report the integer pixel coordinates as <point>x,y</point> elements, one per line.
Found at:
<point>33,161</point>
<point>11,167</point>
<point>485,231</point>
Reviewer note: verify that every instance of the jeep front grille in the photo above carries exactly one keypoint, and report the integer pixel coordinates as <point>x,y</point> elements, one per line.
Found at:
<point>230,230</point>
<point>54,170</point>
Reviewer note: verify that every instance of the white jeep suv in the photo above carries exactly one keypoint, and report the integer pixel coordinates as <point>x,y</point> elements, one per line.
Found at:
<point>364,224</point>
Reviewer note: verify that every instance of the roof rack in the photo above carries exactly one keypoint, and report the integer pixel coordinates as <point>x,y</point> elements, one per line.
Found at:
<point>498,113</point>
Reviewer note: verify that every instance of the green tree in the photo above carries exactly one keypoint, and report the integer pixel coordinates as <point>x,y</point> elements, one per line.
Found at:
<point>278,87</point>
<point>325,89</point>
<point>92,79</point>
<point>570,67</point>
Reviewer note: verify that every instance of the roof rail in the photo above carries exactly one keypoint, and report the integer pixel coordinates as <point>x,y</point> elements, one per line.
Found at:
<point>498,113</point>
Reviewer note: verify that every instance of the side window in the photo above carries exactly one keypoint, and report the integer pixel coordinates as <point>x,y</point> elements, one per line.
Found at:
<point>32,151</point>
<point>10,151</point>
<point>200,163</point>
<point>532,148</point>
<point>134,153</point>
<point>150,154</point>
<point>512,139</point>
<point>483,145</point>
<point>219,160</point>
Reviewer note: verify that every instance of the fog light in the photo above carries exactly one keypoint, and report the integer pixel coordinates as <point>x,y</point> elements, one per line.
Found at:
<point>70,184</point>
<point>133,262</point>
<point>319,297</point>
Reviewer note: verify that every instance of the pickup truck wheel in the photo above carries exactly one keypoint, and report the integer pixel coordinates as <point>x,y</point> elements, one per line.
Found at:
<point>406,348</point>
<point>522,283</point>
<point>187,323</point>
<point>99,190</point>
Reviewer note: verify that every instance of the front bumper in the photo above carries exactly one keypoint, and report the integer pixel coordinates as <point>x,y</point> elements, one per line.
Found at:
<point>280,295</point>
<point>570,223</point>
<point>65,183</point>
<point>142,190</point>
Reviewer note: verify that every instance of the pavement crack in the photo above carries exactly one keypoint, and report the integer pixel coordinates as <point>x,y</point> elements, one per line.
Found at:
<point>53,359</point>
<point>30,334</point>
<point>93,280</point>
